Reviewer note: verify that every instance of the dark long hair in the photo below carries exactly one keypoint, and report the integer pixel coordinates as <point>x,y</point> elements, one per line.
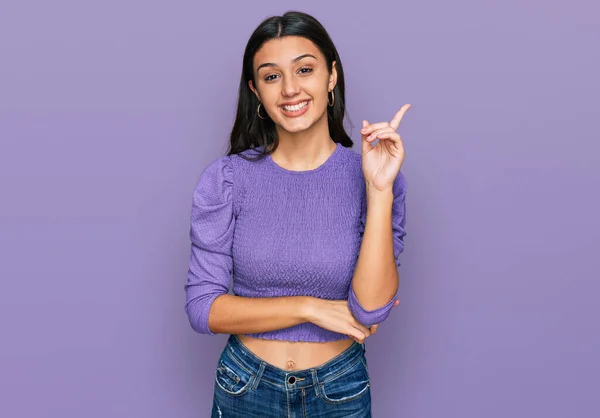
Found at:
<point>249,130</point>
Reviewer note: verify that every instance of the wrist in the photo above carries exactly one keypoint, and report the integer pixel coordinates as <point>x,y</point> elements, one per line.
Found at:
<point>308,308</point>
<point>379,197</point>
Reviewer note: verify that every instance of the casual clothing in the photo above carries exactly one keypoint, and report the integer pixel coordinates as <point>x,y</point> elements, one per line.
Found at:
<point>282,233</point>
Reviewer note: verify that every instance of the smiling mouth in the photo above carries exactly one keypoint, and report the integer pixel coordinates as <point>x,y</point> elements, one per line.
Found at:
<point>296,107</point>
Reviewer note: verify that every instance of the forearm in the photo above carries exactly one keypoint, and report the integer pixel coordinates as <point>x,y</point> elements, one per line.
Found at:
<point>375,280</point>
<point>230,314</point>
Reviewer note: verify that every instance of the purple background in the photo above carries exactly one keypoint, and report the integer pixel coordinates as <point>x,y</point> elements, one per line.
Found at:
<point>109,111</point>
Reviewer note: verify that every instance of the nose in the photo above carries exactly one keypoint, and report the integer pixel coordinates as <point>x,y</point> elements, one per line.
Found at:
<point>290,87</point>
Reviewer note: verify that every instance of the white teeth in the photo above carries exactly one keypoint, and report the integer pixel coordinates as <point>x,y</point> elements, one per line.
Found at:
<point>295,108</point>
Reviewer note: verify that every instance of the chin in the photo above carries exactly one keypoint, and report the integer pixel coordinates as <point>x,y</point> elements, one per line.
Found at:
<point>297,126</point>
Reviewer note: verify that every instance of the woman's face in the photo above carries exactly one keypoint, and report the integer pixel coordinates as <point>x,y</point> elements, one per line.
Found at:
<point>292,82</point>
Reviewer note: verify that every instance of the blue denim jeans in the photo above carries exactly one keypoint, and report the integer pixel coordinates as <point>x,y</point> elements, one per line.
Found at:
<point>247,386</point>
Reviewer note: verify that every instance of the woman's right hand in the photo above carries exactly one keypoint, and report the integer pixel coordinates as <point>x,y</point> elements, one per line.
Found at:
<point>335,315</point>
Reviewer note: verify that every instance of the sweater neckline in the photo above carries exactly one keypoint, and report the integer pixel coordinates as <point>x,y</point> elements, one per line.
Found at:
<point>327,162</point>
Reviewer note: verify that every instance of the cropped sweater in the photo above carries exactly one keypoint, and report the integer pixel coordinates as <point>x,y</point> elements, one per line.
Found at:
<point>278,232</point>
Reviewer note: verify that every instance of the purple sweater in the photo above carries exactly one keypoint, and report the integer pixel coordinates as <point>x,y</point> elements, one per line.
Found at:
<point>282,233</point>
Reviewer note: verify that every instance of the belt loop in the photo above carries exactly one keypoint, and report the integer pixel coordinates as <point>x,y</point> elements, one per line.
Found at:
<point>259,373</point>
<point>315,382</point>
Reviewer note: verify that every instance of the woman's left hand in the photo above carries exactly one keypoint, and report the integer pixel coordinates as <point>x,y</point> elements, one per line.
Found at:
<point>381,162</point>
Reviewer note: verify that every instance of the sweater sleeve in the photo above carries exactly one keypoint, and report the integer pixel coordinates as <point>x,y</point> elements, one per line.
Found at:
<point>376,316</point>
<point>399,216</point>
<point>211,235</point>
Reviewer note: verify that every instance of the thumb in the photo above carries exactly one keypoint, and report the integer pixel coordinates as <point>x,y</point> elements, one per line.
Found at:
<point>366,146</point>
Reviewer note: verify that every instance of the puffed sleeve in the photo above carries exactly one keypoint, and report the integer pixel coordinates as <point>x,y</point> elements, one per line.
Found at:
<point>399,216</point>
<point>211,235</point>
<point>376,316</point>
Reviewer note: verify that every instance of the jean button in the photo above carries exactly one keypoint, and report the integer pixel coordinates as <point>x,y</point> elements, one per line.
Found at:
<point>291,380</point>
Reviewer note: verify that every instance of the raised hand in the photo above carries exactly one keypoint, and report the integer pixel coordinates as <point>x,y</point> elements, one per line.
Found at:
<point>382,162</point>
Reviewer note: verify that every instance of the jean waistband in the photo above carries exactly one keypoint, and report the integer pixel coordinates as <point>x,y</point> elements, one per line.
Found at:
<point>294,379</point>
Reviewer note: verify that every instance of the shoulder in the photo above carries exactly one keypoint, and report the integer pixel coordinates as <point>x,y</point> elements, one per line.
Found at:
<point>216,180</point>
<point>220,168</point>
<point>224,178</point>
<point>351,160</point>
<point>350,155</point>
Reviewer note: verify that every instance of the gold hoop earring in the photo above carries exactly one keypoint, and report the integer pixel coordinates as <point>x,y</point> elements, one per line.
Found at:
<point>258,111</point>
<point>332,98</point>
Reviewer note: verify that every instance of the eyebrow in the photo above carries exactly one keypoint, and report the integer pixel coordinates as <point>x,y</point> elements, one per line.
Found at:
<point>271,64</point>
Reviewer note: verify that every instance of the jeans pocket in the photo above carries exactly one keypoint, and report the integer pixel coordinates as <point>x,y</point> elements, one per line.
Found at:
<point>347,386</point>
<point>231,377</point>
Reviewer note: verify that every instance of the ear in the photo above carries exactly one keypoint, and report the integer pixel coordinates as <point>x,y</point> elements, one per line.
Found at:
<point>332,77</point>
<point>251,85</point>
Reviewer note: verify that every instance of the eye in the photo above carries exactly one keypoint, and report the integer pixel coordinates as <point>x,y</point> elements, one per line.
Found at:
<point>308,70</point>
<point>269,77</point>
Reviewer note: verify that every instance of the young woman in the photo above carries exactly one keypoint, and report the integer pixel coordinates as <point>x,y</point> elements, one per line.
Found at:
<point>310,229</point>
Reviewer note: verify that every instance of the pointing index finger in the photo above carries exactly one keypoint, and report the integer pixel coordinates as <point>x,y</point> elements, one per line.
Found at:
<point>395,123</point>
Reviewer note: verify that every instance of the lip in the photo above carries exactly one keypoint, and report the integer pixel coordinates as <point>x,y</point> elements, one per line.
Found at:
<point>294,103</point>
<point>297,113</point>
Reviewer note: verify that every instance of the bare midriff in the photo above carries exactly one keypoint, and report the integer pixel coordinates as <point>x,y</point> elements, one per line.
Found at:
<point>294,355</point>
